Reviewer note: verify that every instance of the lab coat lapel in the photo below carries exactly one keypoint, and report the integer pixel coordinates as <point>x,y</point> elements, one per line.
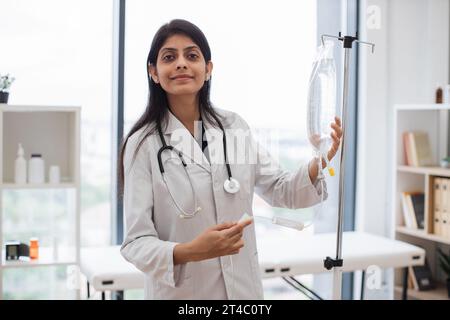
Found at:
<point>182,140</point>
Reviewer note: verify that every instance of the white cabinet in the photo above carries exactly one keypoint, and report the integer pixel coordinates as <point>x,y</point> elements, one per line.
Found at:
<point>50,212</point>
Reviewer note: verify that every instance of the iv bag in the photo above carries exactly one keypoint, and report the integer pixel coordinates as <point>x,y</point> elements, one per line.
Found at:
<point>322,99</point>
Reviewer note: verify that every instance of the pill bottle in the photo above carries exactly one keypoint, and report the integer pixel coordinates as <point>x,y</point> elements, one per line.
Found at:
<point>34,248</point>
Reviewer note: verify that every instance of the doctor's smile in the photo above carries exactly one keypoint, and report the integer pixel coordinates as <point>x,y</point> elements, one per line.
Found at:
<point>187,200</point>
<point>182,76</point>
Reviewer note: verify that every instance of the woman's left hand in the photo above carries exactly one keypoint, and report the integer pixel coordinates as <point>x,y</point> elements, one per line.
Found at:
<point>336,135</point>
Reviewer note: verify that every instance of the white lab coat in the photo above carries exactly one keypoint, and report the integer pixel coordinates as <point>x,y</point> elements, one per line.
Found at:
<point>153,226</point>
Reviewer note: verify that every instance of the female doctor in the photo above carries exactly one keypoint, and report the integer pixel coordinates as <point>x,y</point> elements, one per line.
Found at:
<point>183,195</point>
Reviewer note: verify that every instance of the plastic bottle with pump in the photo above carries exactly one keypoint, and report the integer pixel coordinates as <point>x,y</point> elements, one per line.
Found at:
<point>20,166</point>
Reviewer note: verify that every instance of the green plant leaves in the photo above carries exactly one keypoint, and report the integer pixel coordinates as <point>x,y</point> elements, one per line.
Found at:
<point>444,261</point>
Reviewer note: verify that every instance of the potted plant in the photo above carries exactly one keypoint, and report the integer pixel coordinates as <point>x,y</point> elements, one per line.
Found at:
<point>5,84</point>
<point>444,262</point>
<point>445,162</point>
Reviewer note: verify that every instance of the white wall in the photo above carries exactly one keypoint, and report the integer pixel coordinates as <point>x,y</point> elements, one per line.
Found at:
<point>411,58</point>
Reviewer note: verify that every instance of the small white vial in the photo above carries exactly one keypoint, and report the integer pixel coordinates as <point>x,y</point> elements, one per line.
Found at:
<point>54,174</point>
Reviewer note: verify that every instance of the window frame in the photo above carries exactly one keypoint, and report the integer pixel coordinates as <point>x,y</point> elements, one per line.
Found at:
<point>117,117</point>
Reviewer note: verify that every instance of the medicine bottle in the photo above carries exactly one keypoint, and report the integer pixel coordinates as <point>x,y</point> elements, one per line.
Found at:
<point>34,248</point>
<point>439,95</point>
<point>36,169</point>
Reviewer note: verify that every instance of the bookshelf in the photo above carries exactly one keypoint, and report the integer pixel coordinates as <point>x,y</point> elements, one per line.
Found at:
<point>51,211</point>
<point>433,119</point>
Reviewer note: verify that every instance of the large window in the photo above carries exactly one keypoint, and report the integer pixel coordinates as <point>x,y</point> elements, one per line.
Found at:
<point>60,53</point>
<point>262,53</point>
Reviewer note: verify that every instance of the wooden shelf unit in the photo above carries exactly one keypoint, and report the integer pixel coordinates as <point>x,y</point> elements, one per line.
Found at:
<point>433,119</point>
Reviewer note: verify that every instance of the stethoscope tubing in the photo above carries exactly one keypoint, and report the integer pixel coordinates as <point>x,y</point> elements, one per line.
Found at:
<point>231,185</point>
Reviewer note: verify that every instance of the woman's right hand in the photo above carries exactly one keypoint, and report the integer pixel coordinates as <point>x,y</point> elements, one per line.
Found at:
<point>219,240</point>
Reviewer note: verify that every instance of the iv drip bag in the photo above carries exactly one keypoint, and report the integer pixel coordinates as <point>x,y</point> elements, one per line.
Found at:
<point>322,100</point>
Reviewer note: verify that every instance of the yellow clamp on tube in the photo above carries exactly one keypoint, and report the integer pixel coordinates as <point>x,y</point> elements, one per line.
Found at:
<point>330,168</point>
<point>331,171</point>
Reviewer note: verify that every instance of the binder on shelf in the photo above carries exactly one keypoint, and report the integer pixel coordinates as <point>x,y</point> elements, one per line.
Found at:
<point>445,204</point>
<point>448,211</point>
<point>437,191</point>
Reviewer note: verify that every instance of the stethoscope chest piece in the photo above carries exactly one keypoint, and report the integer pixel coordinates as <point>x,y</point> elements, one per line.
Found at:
<point>231,185</point>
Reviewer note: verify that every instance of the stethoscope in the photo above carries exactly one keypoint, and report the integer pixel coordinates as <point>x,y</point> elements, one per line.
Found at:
<point>230,185</point>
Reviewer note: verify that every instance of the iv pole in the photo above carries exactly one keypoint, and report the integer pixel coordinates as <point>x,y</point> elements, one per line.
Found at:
<point>329,263</point>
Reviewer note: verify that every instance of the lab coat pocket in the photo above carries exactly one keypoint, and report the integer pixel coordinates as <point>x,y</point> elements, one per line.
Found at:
<point>256,274</point>
<point>184,290</point>
<point>183,286</point>
<point>185,281</point>
<point>181,273</point>
<point>244,192</point>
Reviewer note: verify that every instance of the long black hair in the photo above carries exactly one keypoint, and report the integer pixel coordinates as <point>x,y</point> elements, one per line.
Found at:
<point>157,105</point>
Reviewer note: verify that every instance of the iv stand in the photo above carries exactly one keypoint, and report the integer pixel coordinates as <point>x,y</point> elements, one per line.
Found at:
<point>329,263</point>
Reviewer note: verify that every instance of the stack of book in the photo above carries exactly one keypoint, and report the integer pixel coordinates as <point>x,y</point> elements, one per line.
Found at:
<point>413,204</point>
<point>417,149</point>
<point>441,207</point>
